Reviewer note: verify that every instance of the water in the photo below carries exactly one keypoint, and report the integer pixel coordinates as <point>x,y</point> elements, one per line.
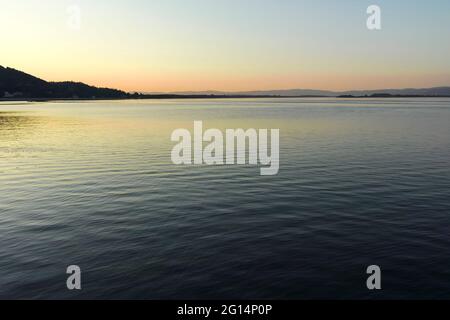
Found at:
<point>361,182</point>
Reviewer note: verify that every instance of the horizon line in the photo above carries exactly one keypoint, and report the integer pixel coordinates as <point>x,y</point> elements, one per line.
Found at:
<point>237,92</point>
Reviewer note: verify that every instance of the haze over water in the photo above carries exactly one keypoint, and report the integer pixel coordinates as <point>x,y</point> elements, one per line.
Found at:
<point>361,182</point>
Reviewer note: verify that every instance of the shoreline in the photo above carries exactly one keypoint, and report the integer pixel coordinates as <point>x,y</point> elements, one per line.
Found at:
<point>216,97</point>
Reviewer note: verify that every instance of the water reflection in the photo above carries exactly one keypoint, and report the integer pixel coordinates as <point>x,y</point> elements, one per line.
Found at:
<point>15,126</point>
<point>17,120</point>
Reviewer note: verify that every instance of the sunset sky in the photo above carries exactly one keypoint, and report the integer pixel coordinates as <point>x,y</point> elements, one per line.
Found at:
<point>232,45</point>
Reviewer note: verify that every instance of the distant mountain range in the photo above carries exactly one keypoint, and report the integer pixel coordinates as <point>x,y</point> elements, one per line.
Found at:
<point>17,85</point>
<point>432,92</point>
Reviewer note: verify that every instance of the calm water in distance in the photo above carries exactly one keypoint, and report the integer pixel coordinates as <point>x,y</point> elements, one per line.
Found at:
<point>361,182</point>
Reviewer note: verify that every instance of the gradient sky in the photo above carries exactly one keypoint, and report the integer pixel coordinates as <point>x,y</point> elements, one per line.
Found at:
<point>176,45</point>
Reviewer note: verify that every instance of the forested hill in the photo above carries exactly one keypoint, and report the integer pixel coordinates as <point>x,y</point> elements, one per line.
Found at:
<point>16,84</point>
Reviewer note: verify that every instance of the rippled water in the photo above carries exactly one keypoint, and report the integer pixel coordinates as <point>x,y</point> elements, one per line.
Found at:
<point>361,182</point>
